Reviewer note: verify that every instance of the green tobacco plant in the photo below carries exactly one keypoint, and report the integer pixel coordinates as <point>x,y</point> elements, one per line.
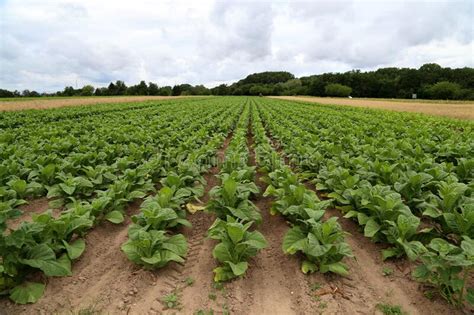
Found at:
<point>403,234</point>
<point>446,268</point>
<point>232,198</point>
<point>386,218</point>
<point>414,188</point>
<point>155,249</point>
<point>322,244</point>
<point>295,202</point>
<point>191,183</point>
<point>237,245</point>
<point>46,244</point>
<point>453,209</point>
<point>161,212</point>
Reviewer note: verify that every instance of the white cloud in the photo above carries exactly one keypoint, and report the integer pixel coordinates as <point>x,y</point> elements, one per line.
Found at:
<point>46,44</point>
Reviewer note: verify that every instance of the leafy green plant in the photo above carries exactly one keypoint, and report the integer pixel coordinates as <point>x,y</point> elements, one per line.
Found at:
<point>453,209</point>
<point>155,249</point>
<point>446,268</point>
<point>188,183</point>
<point>388,309</point>
<point>232,199</point>
<point>237,245</point>
<point>387,271</point>
<point>387,219</point>
<point>171,300</point>
<point>161,212</point>
<point>322,243</point>
<point>296,203</point>
<point>414,188</point>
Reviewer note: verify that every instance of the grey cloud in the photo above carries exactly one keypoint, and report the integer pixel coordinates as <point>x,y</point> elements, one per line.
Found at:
<point>45,45</point>
<point>241,29</point>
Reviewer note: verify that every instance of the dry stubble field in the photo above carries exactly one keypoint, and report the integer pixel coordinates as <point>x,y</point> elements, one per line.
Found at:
<point>459,110</point>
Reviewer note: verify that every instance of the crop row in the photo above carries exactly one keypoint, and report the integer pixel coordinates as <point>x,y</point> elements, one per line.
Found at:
<point>320,240</point>
<point>152,241</point>
<point>407,184</point>
<point>234,228</point>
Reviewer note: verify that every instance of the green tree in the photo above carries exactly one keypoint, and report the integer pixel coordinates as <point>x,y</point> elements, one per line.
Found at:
<point>336,89</point>
<point>112,89</point>
<point>153,88</point>
<point>87,90</point>
<point>68,91</point>
<point>120,88</point>
<point>200,90</point>
<point>165,91</point>
<point>142,88</point>
<point>444,90</point>
<point>292,87</point>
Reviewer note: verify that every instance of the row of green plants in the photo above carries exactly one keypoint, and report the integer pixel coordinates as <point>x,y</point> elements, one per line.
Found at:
<point>73,158</point>
<point>96,186</point>
<point>320,241</point>
<point>153,241</point>
<point>407,184</point>
<point>237,216</point>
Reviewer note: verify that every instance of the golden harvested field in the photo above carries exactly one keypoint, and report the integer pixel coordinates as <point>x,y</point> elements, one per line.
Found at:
<point>459,110</point>
<point>63,102</point>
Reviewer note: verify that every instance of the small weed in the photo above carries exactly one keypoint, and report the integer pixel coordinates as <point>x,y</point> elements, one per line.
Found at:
<point>189,281</point>
<point>315,286</point>
<point>316,298</point>
<point>323,305</point>
<point>225,310</point>
<point>171,300</point>
<point>212,296</point>
<point>388,309</point>
<point>429,294</point>
<point>218,285</point>
<point>387,271</point>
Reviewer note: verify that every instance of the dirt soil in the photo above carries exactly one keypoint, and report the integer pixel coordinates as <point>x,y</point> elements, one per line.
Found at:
<point>63,102</point>
<point>105,282</point>
<point>35,206</point>
<point>452,110</point>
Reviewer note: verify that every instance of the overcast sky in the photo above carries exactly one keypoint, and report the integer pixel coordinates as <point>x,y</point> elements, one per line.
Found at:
<point>45,45</point>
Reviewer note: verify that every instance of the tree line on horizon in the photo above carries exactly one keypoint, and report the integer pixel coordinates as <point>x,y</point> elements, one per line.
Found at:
<point>430,81</point>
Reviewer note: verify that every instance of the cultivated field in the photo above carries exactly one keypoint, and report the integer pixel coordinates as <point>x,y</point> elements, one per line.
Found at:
<point>235,205</point>
<point>56,102</point>
<point>453,109</point>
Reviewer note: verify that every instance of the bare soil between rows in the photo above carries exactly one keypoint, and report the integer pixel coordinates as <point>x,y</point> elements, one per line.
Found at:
<point>452,110</point>
<point>105,282</point>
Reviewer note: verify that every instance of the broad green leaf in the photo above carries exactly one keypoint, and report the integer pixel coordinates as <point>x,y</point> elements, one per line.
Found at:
<point>338,268</point>
<point>293,241</point>
<point>221,253</point>
<point>391,252</point>
<point>28,292</point>
<point>43,258</point>
<point>67,189</point>
<point>223,273</point>
<point>115,217</point>
<point>371,228</point>
<point>239,268</point>
<point>176,244</point>
<point>235,231</point>
<point>75,249</point>
<point>468,247</point>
